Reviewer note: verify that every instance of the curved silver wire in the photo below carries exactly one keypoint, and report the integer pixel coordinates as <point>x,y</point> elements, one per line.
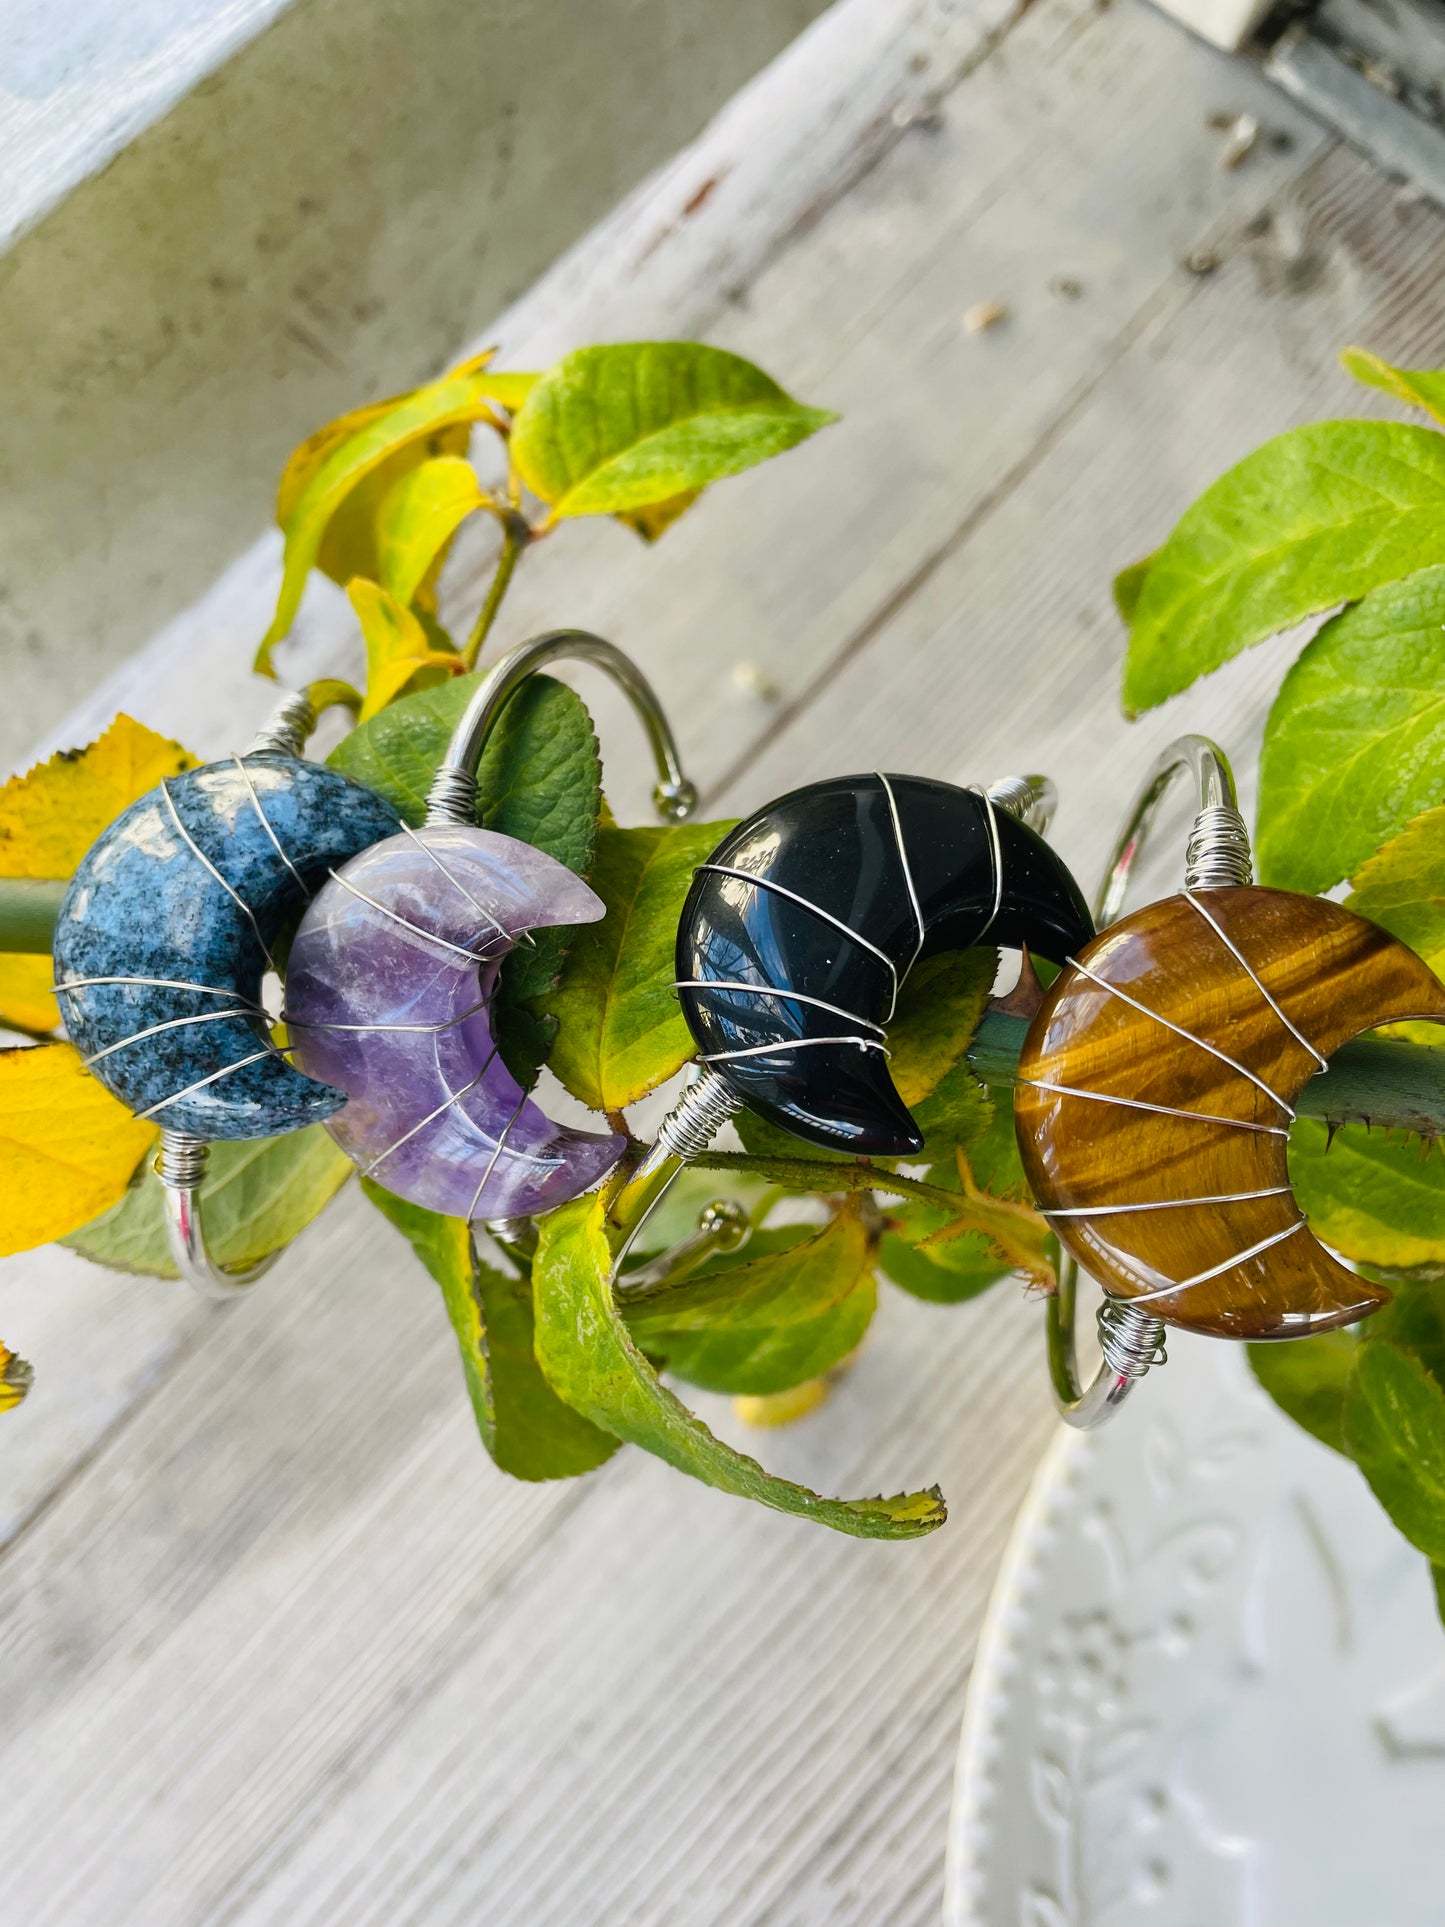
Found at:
<point>181,1165</point>
<point>787,1044</point>
<point>806,903</point>
<point>907,869</point>
<point>453,794</point>
<point>770,990</point>
<point>1189,1037</point>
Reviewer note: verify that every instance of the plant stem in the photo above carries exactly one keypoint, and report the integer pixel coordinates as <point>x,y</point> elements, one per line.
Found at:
<point>28,909</point>
<point>516,534</point>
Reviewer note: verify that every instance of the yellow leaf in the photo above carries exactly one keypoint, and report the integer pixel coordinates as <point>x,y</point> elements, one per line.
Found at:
<point>50,816</point>
<point>506,387</point>
<point>67,1147</point>
<point>334,484</point>
<point>25,997</point>
<point>48,820</point>
<point>397,646</point>
<point>417,519</point>
<point>783,1408</point>
<point>654,519</point>
<point>15,1379</point>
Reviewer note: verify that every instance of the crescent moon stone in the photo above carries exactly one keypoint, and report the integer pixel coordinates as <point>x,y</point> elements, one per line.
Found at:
<point>791,964</point>
<point>388,993</point>
<point>1183,1105</point>
<point>189,888</point>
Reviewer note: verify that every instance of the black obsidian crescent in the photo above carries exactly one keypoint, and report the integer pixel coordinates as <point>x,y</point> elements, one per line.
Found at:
<point>800,928</point>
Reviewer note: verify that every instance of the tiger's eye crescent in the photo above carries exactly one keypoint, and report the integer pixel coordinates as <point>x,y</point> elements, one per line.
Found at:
<point>1155,1092</point>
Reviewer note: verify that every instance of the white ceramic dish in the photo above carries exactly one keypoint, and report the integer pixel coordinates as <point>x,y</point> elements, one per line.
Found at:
<point>1210,1689</point>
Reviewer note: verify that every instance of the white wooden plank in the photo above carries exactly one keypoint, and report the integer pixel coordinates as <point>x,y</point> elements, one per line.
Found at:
<point>1009,653</point>
<point>77,82</point>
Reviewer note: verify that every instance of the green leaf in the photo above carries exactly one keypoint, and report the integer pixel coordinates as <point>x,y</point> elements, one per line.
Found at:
<point>540,778</point>
<point>401,433</point>
<point>528,1430</point>
<point>760,1361</point>
<point>950,1274</point>
<point>1395,1432</point>
<point>621,1030</point>
<point>783,1310</point>
<point>1306,1378</point>
<point>540,781</point>
<point>1414,1320</point>
<point>1375,1198</point>
<point>1355,742</point>
<point>1129,586</point>
<point>1416,387</point>
<point>416,521</point>
<point>1402,888</point>
<point>256,1197</point>
<point>1319,515</point>
<point>591,1361</point>
<point>939,1010</point>
<point>629,426</point>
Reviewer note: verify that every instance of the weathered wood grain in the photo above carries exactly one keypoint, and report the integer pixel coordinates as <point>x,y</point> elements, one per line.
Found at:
<point>289,1650</point>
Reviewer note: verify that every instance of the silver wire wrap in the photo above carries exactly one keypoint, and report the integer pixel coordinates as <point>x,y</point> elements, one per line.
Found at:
<point>1032,799</point>
<point>1131,1340</point>
<point>181,1165</point>
<point>684,1134</point>
<point>286,729</point>
<point>1218,850</point>
<point>1218,855</point>
<point>453,794</point>
<point>180,1162</point>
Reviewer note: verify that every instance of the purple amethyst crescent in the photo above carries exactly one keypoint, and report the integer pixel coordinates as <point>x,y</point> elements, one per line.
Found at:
<point>388,996</point>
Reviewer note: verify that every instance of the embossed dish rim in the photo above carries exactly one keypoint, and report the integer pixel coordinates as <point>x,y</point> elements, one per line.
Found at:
<point>986,1706</point>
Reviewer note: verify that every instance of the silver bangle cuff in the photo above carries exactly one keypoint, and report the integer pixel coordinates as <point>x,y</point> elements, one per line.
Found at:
<point>453,794</point>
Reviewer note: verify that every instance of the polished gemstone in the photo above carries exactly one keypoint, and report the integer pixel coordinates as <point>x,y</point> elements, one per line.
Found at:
<point>807,918</point>
<point>1154,1101</point>
<point>389,992</point>
<point>176,907</point>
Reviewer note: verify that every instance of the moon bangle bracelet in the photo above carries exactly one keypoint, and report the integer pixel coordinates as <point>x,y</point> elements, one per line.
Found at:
<point>1155,1086</point>
<point>1155,1093</point>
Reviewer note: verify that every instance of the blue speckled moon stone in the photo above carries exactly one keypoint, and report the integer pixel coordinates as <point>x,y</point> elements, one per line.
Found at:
<point>144,904</point>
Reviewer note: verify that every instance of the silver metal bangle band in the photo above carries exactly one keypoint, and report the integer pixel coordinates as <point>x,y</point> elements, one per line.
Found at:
<point>180,1165</point>
<point>453,794</point>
